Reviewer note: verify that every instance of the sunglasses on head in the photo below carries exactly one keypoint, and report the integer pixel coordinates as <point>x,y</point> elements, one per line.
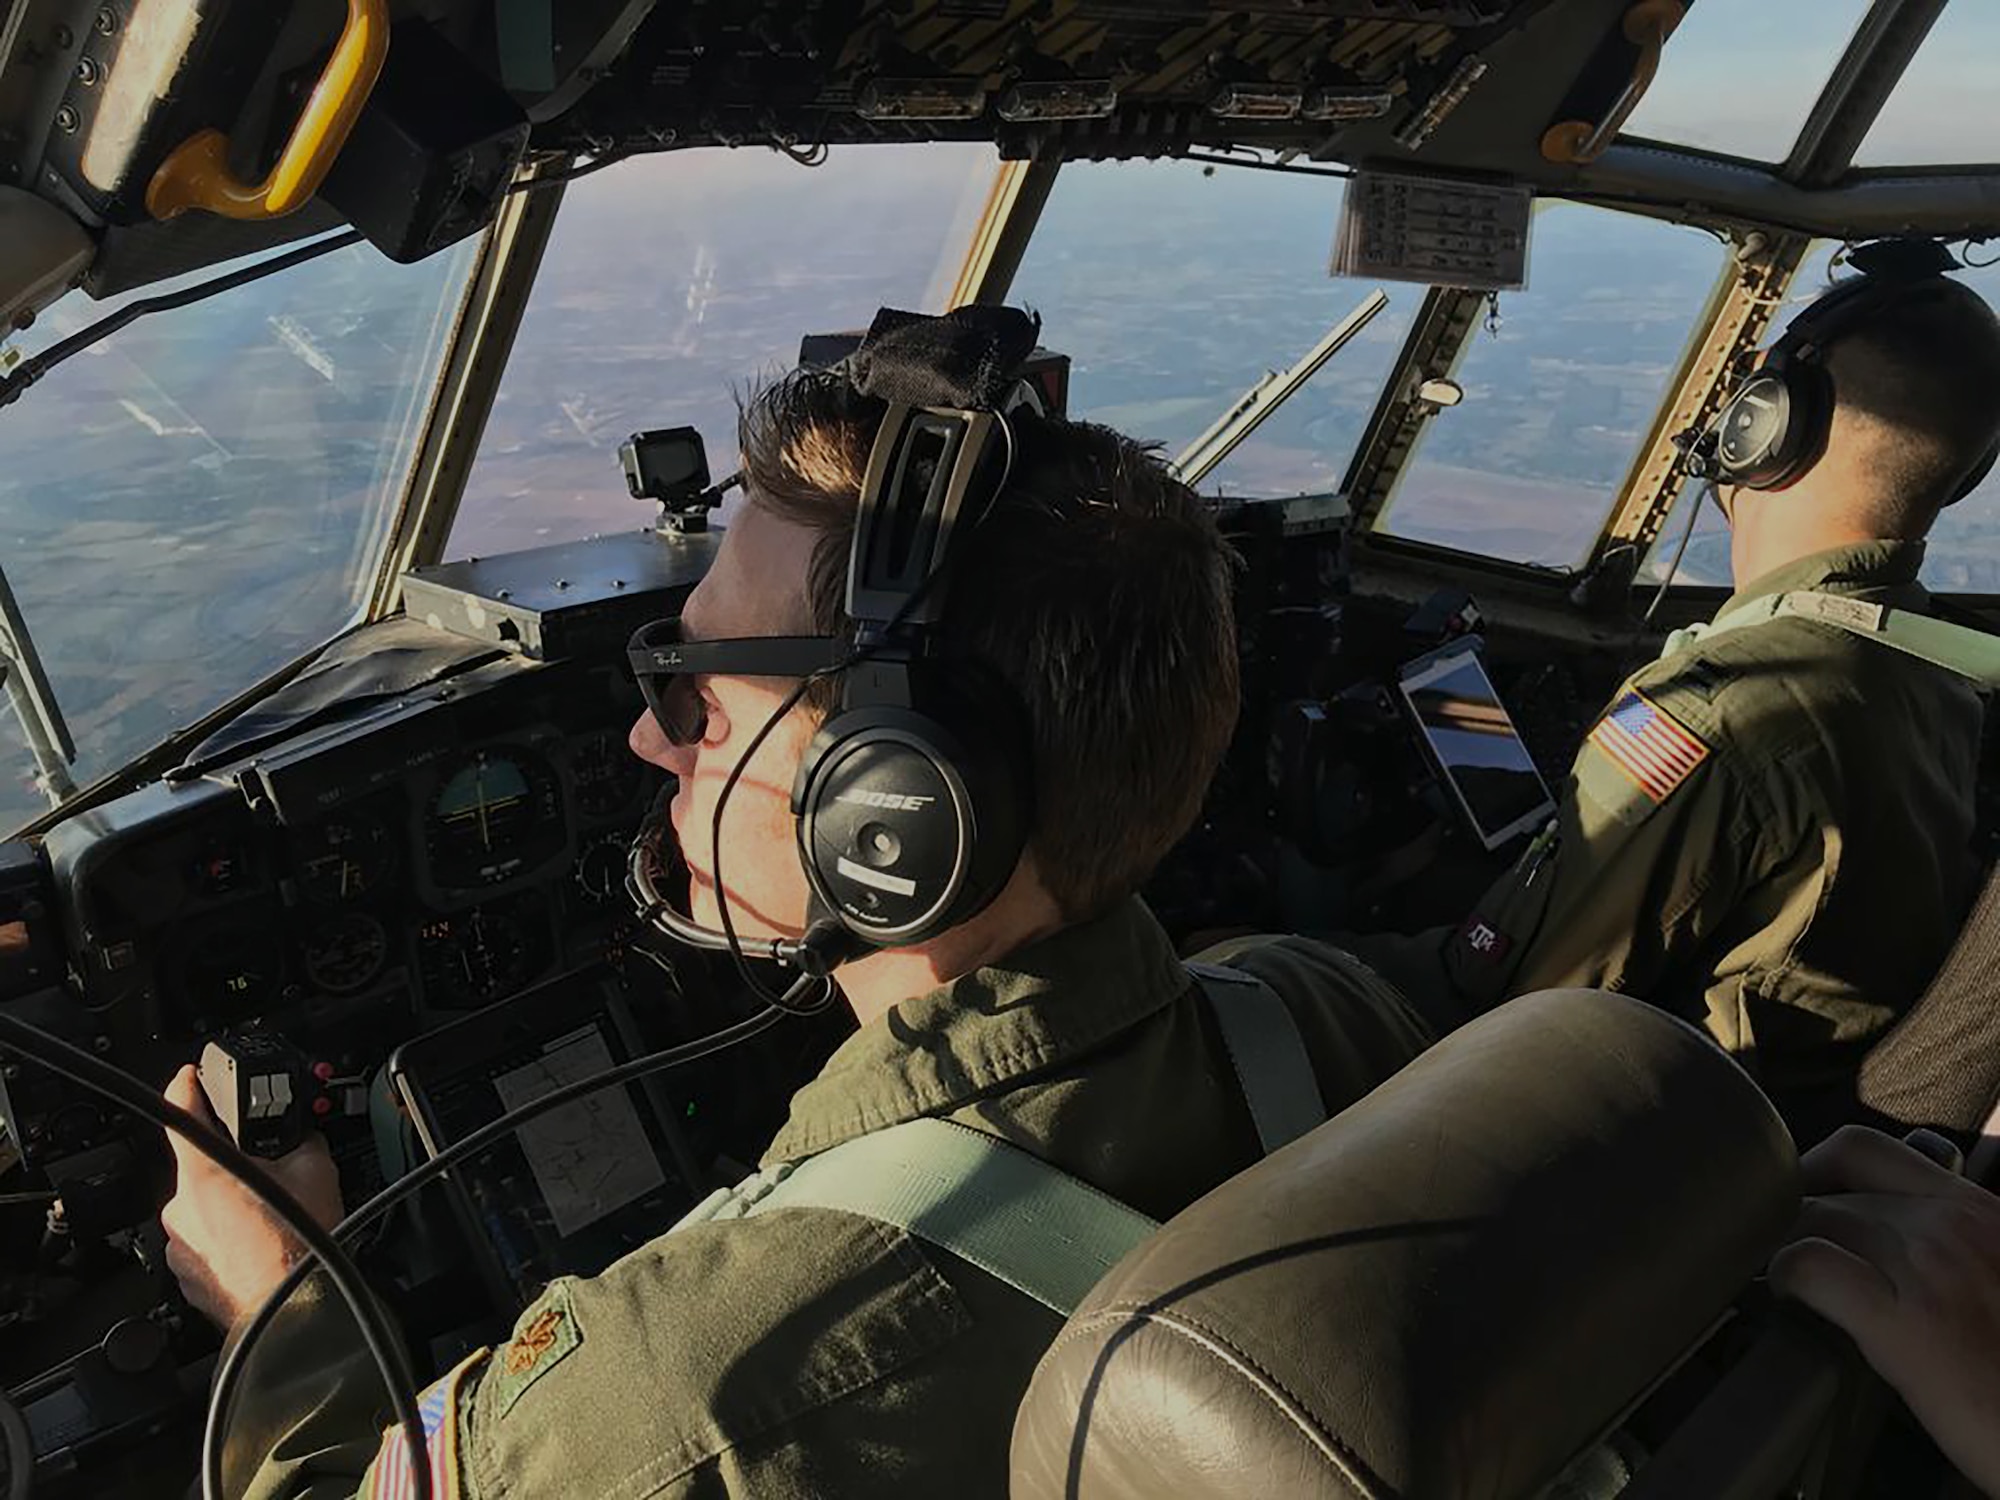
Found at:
<point>667,665</point>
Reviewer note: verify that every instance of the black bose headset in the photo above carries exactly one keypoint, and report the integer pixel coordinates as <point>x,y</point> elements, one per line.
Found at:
<point>1775,427</point>
<point>914,800</point>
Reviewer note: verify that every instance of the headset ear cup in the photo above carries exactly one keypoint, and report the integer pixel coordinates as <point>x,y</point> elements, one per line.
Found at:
<point>1775,428</point>
<point>1751,430</point>
<point>1812,421</point>
<point>911,820</point>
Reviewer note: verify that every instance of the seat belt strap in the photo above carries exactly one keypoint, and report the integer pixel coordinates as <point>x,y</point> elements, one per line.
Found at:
<point>1011,1214</point>
<point>1267,1052</point>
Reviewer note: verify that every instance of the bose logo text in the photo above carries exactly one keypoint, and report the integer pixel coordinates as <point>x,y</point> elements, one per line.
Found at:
<point>888,801</point>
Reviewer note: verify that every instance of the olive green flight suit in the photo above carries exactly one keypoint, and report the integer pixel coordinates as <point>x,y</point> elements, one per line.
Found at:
<point>810,1352</point>
<point>1774,842</point>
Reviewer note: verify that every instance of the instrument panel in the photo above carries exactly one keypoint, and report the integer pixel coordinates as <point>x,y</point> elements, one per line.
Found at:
<point>388,863</point>
<point>491,857</point>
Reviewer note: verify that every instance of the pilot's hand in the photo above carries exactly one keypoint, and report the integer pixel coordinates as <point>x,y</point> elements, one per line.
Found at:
<point>227,1250</point>
<point>1905,1256</point>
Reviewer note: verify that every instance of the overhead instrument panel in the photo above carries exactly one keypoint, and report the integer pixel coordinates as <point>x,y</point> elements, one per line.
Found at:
<point>183,132</point>
<point>1041,77</point>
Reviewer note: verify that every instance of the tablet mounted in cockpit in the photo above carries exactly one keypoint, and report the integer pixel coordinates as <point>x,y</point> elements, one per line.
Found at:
<point>1471,739</point>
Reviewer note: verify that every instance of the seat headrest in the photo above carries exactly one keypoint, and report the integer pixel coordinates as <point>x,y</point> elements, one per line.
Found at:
<point>1451,1289</point>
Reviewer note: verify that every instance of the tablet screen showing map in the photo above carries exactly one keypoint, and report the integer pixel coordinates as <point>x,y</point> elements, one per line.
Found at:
<point>589,1157</point>
<point>571,1190</point>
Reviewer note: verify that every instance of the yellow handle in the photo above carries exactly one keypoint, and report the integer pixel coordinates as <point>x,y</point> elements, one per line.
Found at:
<point>197,175</point>
<point>1648,24</point>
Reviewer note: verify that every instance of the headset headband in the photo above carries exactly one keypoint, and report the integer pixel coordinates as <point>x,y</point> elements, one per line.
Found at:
<point>1889,270</point>
<point>944,379</point>
<point>926,463</point>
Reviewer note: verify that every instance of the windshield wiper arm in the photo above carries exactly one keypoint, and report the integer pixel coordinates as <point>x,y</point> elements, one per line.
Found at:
<point>34,702</point>
<point>15,382</point>
<point>1268,394</point>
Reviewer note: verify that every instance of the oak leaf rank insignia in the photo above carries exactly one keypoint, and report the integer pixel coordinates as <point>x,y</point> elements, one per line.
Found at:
<point>543,1338</point>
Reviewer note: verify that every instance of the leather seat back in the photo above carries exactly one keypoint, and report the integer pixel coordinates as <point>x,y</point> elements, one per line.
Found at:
<point>1450,1290</point>
<point>1939,1067</point>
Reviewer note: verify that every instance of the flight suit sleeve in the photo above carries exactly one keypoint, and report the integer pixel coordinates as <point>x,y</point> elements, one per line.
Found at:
<point>1414,963</point>
<point>313,1420</point>
<point>1657,836</point>
<point>307,1419</point>
<point>768,1357</point>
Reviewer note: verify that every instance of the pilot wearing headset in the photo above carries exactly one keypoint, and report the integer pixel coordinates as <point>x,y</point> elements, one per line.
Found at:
<point>956,681</point>
<point>1769,829</point>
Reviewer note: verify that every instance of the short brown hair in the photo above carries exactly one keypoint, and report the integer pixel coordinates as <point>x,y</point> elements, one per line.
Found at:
<point>1097,589</point>
<point>1924,382</point>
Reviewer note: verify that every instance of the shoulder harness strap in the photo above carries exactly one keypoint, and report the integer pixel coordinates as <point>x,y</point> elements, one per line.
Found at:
<point>1972,654</point>
<point>1267,1052</point>
<point>1011,1214</point>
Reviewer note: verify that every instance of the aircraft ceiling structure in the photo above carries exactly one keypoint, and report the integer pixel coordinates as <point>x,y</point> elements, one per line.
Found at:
<point>421,110</point>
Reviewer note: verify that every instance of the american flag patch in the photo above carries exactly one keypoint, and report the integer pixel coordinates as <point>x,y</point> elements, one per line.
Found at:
<point>393,1477</point>
<point>1645,743</point>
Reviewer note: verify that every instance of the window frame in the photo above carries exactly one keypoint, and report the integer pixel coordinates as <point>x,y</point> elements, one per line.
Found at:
<point>477,353</point>
<point>1395,435</point>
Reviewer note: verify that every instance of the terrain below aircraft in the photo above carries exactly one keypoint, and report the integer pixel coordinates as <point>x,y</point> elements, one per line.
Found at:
<point>322,328</point>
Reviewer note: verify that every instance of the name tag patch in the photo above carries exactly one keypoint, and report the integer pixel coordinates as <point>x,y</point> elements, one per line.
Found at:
<point>1649,745</point>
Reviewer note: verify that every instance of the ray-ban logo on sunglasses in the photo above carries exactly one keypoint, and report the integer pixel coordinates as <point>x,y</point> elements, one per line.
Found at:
<point>666,660</point>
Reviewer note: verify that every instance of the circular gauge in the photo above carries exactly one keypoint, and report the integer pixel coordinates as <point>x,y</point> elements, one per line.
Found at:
<point>607,774</point>
<point>472,957</point>
<point>343,858</point>
<point>496,814</point>
<point>600,869</point>
<point>345,952</point>
<point>234,972</point>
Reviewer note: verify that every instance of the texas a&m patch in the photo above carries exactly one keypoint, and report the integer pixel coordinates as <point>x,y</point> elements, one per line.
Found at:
<point>1648,744</point>
<point>1483,941</point>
